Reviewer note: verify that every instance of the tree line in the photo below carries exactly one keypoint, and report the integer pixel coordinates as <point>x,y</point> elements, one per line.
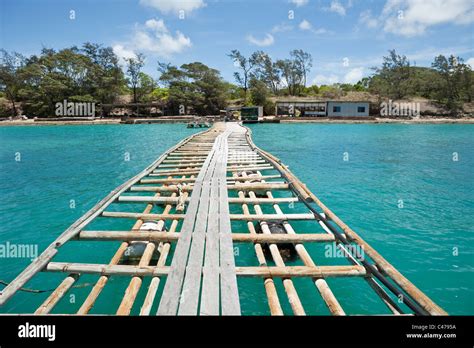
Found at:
<point>92,73</point>
<point>87,74</point>
<point>448,81</point>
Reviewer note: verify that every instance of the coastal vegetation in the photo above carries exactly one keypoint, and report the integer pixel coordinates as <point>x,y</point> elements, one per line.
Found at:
<point>93,73</point>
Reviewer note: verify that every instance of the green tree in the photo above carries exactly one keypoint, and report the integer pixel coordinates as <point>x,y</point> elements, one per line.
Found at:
<point>267,71</point>
<point>260,93</point>
<point>303,62</point>
<point>90,74</point>
<point>392,78</point>
<point>195,85</point>
<point>134,67</point>
<point>146,85</point>
<point>53,77</point>
<point>290,74</point>
<point>246,65</point>
<point>159,94</point>
<point>454,74</point>
<point>11,82</point>
<point>105,77</point>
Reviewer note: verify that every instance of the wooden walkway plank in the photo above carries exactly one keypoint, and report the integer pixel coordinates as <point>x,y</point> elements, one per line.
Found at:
<point>230,295</point>
<point>188,303</point>
<point>192,283</point>
<point>229,290</point>
<point>210,283</point>
<point>171,293</point>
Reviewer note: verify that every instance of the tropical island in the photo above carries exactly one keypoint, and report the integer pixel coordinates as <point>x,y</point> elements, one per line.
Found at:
<point>38,87</point>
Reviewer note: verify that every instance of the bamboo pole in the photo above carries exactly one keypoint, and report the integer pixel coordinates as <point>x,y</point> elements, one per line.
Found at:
<point>191,164</point>
<point>135,283</point>
<point>251,217</point>
<point>236,237</point>
<point>177,180</point>
<point>237,186</point>
<point>57,294</point>
<point>322,286</point>
<point>290,289</point>
<point>383,265</point>
<point>270,289</point>
<point>326,293</point>
<point>75,228</point>
<point>189,155</point>
<point>100,284</point>
<point>196,171</point>
<point>171,200</point>
<point>285,272</point>
<point>155,281</point>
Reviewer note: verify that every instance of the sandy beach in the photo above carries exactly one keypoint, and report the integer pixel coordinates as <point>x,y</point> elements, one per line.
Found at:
<point>57,123</point>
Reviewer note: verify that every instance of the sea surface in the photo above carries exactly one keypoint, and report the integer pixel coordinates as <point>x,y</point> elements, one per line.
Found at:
<point>406,189</point>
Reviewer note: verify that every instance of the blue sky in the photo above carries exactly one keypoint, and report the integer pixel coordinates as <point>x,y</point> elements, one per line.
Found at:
<point>345,37</point>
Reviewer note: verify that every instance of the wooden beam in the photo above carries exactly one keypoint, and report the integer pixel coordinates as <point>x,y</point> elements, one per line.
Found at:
<point>196,171</point>
<point>142,216</point>
<point>57,294</point>
<point>383,265</point>
<point>179,180</point>
<point>302,271</point>
<point>143,271</point>
<point>108,270</point>
<point>238,187</point>
<point>79,224</point>
<point>251,217</point>
<point>233,200</point>
<point>266,217</point>
<point>236,237</point>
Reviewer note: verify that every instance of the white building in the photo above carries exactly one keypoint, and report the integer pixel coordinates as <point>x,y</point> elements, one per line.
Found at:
<point>323,108</point>
<point>347,109</point>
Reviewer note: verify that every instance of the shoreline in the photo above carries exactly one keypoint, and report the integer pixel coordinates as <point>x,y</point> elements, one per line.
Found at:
<point>284,121</point>
<point>388,121</point>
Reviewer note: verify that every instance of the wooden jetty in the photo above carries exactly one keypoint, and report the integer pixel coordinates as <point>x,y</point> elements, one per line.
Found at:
<point>193,195</point>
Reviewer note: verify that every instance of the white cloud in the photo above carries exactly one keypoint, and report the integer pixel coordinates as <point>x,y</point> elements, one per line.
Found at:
<point>367,19</point>
<point>354,75</point>
<point>414,17</point>
<point>266,41</point>
<point>155,38</point>
<point>337,7</point>
<point>299,3</point>
<point>174,6</point>
<point>123,53</point>
<point>280,28</point>
<point>429,53</point>
<point>157,25</point>
<point>305,25</point>
<point>325,79</point>
<point>470,62</point>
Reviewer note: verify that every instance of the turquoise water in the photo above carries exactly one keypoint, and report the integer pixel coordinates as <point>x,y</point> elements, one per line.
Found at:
<point>400,190</point>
